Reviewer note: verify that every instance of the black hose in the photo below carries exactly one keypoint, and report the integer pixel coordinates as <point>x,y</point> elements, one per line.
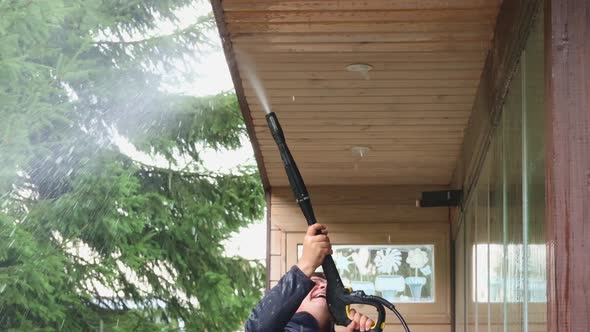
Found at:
<point>391,307</point>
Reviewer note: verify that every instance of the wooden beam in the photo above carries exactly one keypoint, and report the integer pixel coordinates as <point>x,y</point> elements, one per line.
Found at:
<point>346,195</point>
<point>282,83</point>
<point>358,27</point>
<point>310,109</point>
<point>318,164</point>
<point>362,100</point>
<point>299,5</point>
<point>360,47</point>
<point>370,57</point>
<point>469,74</point>
<point>422,156</point>
<point>414,171</point>
<point>304,143</point>
<point>377,66</point>
<point>361,128</point>
<point>358,213</point>
<point>361,37</point>
<point>450,15</point>
<point>358,178</point>
<point>320,136</point>
<point>392,123</point>
<point>237,80</point>
<point>364,92</point>
<point>567,42</point>
<point>407,176</point>
<point>377,152</point>
<point>352,165</point>
<point>381,155</point>
<point>368,115</point>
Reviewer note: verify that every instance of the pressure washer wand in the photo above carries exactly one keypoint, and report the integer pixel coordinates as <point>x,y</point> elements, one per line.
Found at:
<point>300,191</point>
<point>295,178</point>
<point>339,298</point>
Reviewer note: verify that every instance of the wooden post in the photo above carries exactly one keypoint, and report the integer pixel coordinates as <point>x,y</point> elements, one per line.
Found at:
<point>568,164</point>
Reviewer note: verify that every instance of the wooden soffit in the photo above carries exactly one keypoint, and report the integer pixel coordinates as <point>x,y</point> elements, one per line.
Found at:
<point>409,110</point>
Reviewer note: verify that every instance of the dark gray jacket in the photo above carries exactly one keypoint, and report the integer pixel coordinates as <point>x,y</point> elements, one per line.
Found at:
<point>276,311</point>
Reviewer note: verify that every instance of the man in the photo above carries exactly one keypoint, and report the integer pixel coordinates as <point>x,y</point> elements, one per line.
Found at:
<point>298,302</point>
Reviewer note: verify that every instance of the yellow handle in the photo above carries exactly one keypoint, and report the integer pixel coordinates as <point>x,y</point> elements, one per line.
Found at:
<point>374,324</point>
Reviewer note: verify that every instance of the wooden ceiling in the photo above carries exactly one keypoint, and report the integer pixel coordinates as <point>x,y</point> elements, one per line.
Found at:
<point>410,110</point>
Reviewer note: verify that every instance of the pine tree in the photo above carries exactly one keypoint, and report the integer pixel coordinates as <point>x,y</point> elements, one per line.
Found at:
<point>89,236</point>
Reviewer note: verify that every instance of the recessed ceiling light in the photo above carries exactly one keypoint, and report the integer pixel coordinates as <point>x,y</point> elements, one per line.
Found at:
<point>359,67</point>
<point>360,151</point>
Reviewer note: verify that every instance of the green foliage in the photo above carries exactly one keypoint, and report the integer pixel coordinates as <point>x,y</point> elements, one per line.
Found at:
<point>212,121</point>
<point>90,237</point>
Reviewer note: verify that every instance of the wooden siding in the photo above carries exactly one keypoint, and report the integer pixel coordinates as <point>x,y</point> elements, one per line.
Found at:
<point>410,109</point>
<point>568,164</point>
<point>360,205</point>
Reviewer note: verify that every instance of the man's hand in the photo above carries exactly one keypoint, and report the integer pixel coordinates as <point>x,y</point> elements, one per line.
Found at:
<point>359,322</point>
<point>316,246</point>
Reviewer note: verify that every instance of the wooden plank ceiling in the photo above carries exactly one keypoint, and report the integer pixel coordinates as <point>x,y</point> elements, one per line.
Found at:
<point>410,109</point>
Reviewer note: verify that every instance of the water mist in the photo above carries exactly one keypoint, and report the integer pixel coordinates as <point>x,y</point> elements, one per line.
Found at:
<point>249,70</point>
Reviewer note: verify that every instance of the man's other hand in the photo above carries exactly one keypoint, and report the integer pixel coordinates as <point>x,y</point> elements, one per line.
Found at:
<point>359,322</point>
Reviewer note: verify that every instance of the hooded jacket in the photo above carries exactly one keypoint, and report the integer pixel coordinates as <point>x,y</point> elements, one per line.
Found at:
<point>276,311</point>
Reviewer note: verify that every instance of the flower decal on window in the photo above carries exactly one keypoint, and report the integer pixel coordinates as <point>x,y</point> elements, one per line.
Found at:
<point>342,262</point>
<point>396,272</point>
<point>417,258</point>
<point>361,258</point>
<point>388,260</point>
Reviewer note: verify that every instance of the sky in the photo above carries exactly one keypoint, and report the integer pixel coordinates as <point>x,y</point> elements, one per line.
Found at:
<point>214,77</point>
<point>211,76</point>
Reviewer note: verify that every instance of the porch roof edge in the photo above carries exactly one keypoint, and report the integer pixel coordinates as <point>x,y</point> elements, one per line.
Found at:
<point>237,81</point>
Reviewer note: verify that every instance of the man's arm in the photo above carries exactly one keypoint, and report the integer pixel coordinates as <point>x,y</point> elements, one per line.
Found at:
<point>279,305</point>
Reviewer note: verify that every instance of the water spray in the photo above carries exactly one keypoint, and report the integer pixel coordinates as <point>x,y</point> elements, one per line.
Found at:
<point>249,69</point>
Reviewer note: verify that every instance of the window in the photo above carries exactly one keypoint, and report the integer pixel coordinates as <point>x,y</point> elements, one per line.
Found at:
<point>494,293</point>
<point>398,273</point>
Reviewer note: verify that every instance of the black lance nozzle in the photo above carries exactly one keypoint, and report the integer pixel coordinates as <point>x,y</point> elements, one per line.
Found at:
<point>295,179</point>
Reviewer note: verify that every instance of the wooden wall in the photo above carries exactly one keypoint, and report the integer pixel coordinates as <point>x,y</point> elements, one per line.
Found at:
<point>568,163</point>
<point>369,215</point>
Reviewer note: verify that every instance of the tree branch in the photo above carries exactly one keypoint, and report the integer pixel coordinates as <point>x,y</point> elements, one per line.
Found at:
<point>153,39</point>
